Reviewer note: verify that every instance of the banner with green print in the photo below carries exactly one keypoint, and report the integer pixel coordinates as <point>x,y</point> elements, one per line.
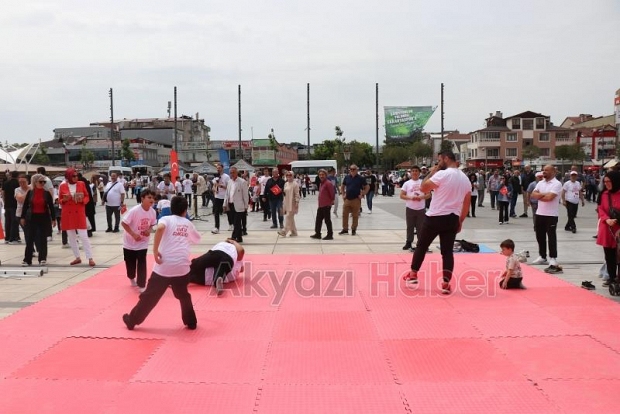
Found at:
<point>403,121</point>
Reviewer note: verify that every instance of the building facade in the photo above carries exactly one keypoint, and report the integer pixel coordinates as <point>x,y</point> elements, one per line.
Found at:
<point>504,142</point>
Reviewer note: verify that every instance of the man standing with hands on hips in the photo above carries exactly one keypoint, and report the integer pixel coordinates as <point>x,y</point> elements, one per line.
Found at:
<point>353,189</point>
<point>449,206</point>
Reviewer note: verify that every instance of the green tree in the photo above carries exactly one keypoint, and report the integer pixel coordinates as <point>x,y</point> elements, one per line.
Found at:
<point>531,152</point>
<point>87,157</point>
<point>40,157</point>
<point>446,145</point>
<point>420,150</point>
<point>126,152</point>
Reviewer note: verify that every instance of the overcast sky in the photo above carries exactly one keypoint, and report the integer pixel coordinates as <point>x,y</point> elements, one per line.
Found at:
<point>59,59</point>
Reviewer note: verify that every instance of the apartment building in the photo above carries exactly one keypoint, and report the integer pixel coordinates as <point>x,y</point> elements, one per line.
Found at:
<point>504,141</point>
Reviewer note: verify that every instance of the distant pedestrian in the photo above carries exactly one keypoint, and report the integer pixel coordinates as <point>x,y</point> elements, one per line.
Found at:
<point>572,194</point>
<point>327,196</point>
<point>353,189</point>
<point>290,205</point>
<point>415,206</point>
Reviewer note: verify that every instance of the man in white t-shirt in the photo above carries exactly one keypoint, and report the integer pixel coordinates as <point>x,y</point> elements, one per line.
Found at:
<point>449,206</point>
<point>415,205</point>
<point>220,183</point>
<point>571,195</point>
<point>188,190</point>
<point>547,192</point>
<point>113,199</point>
<point>166,188</point>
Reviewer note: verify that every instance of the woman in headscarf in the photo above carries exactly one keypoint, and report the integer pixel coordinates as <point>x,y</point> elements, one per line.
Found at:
<point>37,216</point>
<point>290,205</point>
<point>73,197</point>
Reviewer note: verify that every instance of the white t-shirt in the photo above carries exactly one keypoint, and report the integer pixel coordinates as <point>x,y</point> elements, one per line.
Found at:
<point>220,192</point>
<point>139,221</point>
<point>474,188</point>
<point>448,197</point>
<point>178,236</point>
<point>166,190</point>
<point>178,187</point>
<point>161,204</point>
<point>114,193</point>
<point>572,191</point>
<point>549,208</point>
<point>230,277</point>
<point>412,188</point>
<point>187,186</point>
<point>227,248</point>
<point>262,181</point>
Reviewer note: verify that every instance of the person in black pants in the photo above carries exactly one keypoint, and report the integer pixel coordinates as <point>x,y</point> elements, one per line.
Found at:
<point>274,191</point>
<point>236,202</point>
<point>11,222</point>
<point>327,195</point>
<point>221,258</point>
<point>37,216</point>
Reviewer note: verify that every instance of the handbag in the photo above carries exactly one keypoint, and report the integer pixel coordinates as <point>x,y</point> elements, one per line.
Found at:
<point>613,213</point>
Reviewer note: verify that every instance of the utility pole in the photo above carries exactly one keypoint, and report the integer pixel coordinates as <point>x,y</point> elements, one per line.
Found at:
<point>239,101</point>
<point>377,124</point>
<point>112,124</point>
<point>176,147</point>
<point>308,111</point>
<point>442,115</point>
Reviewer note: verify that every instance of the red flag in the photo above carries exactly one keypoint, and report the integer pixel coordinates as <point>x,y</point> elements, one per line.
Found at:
<point>174,165</point>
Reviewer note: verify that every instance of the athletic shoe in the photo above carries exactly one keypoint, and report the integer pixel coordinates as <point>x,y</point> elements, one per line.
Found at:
<point>316,236</point>
<point>587,284</point>
<point>445,288</point>
<point>344,232</point>
<point>554,269</point>
<point>370,212</point>
<point>523,215</point>
<point>25,264</point>
<point>42,262</point>
<point>407,246</point>
<point>328,237</point>
<point>273,227</point>
<point>353,233</point>
<point>411,279</point>
<point>219,286</point>
<point>127,320</point>
<point>540,260</point>
<point>142,289</point>
<point>133,282</point>
<point>553,262</point>
<point>215,231</point>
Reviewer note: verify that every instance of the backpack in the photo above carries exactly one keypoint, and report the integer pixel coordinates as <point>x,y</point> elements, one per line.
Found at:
<point>469,247</point>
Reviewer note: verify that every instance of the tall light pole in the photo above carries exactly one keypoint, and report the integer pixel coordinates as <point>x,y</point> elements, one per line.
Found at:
<point>347,154</point>
<point>111,125</point>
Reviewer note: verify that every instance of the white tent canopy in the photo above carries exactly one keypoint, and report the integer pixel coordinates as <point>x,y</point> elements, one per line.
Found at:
<point>611,163</point>
<point>11,157</point>
<point>241,165</point>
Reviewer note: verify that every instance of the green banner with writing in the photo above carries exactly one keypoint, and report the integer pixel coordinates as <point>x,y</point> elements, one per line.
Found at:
<point>403,121</point>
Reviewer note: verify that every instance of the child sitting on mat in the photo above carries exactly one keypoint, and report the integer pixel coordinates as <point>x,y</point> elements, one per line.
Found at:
<point>512,277</point>
<point>173,238</point>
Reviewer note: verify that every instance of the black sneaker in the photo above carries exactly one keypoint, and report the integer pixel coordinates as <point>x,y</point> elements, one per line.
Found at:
<point>127,319</point>
<point>523,215</point>
<point>554,269</point>
<point>407,246</point>
<point>108,231</point>
<point>328,237</point>
<point>353,232</point>
<point>344,232</point>
<point>315,236</point>
<point>587,284</point>
<point>273,227</point>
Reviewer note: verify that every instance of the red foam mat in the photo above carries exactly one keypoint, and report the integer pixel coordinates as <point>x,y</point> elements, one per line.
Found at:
<point>313,334</point>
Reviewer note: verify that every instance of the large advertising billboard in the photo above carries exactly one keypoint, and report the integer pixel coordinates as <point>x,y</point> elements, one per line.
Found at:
<point>402,122</point>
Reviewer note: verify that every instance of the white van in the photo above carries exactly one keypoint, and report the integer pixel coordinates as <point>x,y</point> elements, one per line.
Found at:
<point>120,171</point>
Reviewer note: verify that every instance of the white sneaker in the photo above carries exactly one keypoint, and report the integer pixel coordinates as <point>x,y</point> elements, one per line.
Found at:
<point>215,231</point>
<point>370,212</point>
<point>133,282</point>
<point>231,228</point>
<point>539,261</point>
<point>141,290</point>
<point>553,262</point>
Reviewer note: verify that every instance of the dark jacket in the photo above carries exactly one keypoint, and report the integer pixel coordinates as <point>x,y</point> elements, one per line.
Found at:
<point>271,183</point>
<point>26,212</point>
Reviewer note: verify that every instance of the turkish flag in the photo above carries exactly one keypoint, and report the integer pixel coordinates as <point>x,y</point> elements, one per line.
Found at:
<point>174,165</point>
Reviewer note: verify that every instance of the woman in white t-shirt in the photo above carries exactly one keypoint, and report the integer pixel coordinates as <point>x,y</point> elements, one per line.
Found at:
<point>137,224</point>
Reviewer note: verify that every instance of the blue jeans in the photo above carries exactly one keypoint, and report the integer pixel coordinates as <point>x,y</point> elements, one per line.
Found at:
<point>275,206</point>
<point>513,203</point>
<point>369,198</point>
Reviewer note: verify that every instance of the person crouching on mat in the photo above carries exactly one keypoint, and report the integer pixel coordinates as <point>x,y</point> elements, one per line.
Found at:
<point>218,265</point>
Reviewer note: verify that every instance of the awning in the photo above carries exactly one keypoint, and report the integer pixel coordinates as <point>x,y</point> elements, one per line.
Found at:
<point>611,163</point>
